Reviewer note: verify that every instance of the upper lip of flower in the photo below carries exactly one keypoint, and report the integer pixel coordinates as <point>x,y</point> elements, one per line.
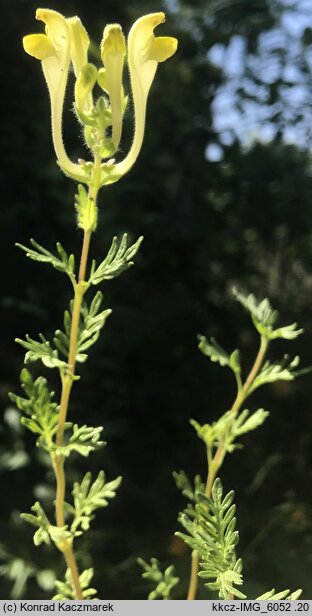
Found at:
<point>144,52</point>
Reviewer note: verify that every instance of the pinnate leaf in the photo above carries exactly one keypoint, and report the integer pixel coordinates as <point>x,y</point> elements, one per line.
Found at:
<point>265,318</point>
<point>118,259</point>
<point>164,581</point>
<point>61,262</point>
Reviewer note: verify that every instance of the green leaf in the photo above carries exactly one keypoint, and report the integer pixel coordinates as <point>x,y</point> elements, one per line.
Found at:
<point>66,589</point>
<point>90,496</point>
<point>283,370</point>
<point>211,532</point>
<point>63,262</point>
<point>184,484</point>
<point>285,594</point>
<point>214,351</point>
<point>46,532</point>
<point>83,440</point>
<point>245,423</point>
<point>91,323</point>
<point>228,427</point>
<point>118,260</point>
<point>86,210</point>
<point>164,581</point>
<point>39,520</point>
<point>265,318</point>
<point>41,351</point>
<point>213,434</point>
<point>38,406</point>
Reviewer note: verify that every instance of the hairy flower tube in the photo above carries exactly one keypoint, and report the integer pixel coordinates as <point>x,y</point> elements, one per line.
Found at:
<point>66,41</point>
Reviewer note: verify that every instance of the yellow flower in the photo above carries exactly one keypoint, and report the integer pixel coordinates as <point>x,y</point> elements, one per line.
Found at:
<point>66,40</point>
<point>113,51</point>
<point>54,51</point>
<point>145,51</point>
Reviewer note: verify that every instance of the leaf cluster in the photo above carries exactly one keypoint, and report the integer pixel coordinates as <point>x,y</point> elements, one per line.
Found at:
<point>278,596</point>
<point>118,260</point>
<point>46,532</point>
<point>41,351</point>
<point>83,440</point>
<point>164,581</point>
<point>211,531</point>
<point>62,262</point>
<point>38,406</point>
<point>184,485</point>
<point>228,428</point>
<point>91,323</point>
<point>265,318</point>
<point>88,497</point>
<point>65,589</point>
<point>86,208</point>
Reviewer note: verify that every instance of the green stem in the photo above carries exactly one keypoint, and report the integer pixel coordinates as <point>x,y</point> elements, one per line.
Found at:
<point>67,382</point>
<point>216,462</point>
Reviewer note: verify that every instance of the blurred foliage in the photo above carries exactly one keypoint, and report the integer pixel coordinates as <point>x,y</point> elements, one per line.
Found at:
<point>245,219</point>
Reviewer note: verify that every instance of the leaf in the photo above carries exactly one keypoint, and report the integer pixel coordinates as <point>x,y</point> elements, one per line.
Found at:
<point>86,210</point>
<point>41,350</point>
<point>213,350</point>
<point>91,323</point>
<point>63,262</point>
<point>211,532</point>
<point>46,532</point>
<point>83,440</point>
<point>90,496</point>
<point>213,434</point>
<point>66,588</point>
<point>265,318</point>
<point>118,259</point>
<point>228,427</point>
<point>39,520</point>
<point>243,423</point>
<point>283,370</point>
<point>38,406</point>
<point>285,594</point>
<point>165,581</point>
<point>183,484</point>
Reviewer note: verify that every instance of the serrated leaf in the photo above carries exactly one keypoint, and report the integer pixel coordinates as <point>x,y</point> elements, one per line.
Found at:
<point>245,423</point>
<point>90,496</point>
<point>118,259</point>
<point>265,318</point>
<point>285,594</point>
<point>66,588</point>
<point>213,350</point>
<point>183,484</point>
<point>83,440</point>
<point>86,210</point>
<point>63,262</point>
<point>164,581</point>
<point>90,325</point>
<point>41,351</point>
<point>211,532</point>
<point>38,406</point>
<point>283,370</point>
<point>40,520</point>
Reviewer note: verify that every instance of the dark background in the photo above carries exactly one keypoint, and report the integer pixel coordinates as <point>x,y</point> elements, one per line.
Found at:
<point>243,218</point>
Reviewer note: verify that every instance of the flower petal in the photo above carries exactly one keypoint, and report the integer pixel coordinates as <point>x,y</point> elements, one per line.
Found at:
<point>162,48</point>
<point>79,44</point>
<point>38,46</point>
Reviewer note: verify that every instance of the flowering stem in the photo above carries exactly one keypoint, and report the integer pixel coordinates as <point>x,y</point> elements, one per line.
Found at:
<point>67,382</point>
<point>216,462</point>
